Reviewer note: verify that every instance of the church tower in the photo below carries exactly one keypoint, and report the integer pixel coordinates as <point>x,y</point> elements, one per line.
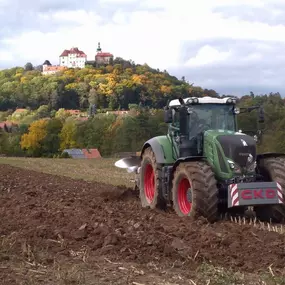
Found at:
<point>99,48</point>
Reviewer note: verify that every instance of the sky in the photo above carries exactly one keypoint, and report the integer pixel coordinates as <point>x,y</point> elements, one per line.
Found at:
<point>231,46</point>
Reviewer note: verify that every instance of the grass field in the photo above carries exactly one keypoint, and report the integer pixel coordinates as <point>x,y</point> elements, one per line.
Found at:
<point>100,170</point>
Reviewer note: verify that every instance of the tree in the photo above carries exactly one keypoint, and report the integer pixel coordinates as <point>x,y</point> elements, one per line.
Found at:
<point>43,112</point>
<point>93,97</point>
<point>32,141</point>
<point>29,66</point>
<point>68,135</point>
<point>62,114</point>
<point>116,85</point>
<point>51,143</point>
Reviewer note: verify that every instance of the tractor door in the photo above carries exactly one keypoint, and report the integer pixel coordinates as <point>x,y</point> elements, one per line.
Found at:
<point>174,133</point>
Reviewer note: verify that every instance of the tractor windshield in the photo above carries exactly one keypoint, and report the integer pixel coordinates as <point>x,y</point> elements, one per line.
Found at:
<point>211,117</point>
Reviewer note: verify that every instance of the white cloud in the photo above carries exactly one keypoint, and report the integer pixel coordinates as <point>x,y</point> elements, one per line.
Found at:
<point>208,55</point>
<point>152,36</point>
<point>116,1</point>
<point>6,56</point>
<point>80,17</point>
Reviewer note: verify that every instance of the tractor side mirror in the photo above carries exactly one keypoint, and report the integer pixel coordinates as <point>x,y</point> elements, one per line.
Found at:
<point>168,116</point>
<point>261,117</point>
<point>258,136</point>
<point>236,110</point>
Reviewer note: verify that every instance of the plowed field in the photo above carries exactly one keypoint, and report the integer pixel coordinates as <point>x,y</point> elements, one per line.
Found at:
<point>56,230</point>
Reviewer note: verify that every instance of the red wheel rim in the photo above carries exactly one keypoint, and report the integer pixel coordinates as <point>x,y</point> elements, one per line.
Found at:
<point>149,184</point>
<point>184,204</point>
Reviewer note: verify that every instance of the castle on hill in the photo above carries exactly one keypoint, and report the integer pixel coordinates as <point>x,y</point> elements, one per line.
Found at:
<point>75,58</point>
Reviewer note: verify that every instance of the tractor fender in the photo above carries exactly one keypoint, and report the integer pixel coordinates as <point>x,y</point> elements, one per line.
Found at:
<point>156,148</point>
<point>269,154</point>
<point>162,148</point>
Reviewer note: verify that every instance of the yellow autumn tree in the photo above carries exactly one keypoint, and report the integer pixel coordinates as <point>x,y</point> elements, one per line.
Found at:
<point>67,135</point>
<point>32,140</point>
<point>166,89</point>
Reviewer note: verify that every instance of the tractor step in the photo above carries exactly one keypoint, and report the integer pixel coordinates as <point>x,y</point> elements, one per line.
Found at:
<point>254,193</point>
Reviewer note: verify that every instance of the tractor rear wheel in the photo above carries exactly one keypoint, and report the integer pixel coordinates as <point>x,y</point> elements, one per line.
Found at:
<point>272,169</point>
<point>194,191</point>
<point>150,182</point>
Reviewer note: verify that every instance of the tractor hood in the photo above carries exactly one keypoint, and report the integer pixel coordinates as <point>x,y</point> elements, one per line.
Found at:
<point>234,151</point>
<point>241,148</point>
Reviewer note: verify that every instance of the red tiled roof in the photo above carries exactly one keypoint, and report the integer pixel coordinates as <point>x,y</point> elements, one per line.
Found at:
<point>54,68</point>
<point>73,112</point>
<point>75,50</point>
<point>91,153</point>
<point>65,53</point>
<point>82,118</point>
<point>20,110</point>
<point>7,123</point>
<point>104,54</point>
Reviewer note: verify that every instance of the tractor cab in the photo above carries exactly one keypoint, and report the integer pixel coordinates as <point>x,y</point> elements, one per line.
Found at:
<point>202,117</point>
<point>190,118</point>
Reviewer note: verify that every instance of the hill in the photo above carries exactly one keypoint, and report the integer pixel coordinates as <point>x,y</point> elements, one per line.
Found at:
<point>113,86</point>
<point>47,119</point>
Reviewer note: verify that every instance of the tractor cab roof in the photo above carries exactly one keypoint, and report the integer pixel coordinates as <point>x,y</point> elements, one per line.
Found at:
<point>203,100</point>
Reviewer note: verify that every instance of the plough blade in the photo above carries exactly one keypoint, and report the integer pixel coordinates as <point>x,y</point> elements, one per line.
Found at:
<point>130,163</point>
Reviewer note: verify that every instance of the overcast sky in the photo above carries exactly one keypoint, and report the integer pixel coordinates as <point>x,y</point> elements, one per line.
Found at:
<point>232,46</point>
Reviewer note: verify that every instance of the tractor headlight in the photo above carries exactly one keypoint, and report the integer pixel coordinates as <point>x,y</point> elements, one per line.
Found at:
<point>234,167</point>
<point>192,100</point>
<point>251,168</point>
<point>230,100</point>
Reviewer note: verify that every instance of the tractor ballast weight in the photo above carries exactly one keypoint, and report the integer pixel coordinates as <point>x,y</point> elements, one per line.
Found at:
<point>205,166</point>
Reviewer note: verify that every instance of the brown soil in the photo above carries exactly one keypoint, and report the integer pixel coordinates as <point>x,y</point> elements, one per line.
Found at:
<point>65,231</point>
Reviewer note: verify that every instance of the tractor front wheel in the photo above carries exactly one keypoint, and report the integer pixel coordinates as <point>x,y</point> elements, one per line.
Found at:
<point>194,191</point>
<point>150,182</point>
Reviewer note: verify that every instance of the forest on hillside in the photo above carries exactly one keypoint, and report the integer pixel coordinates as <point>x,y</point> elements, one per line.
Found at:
<point>113,86</point>
<point>46,133</point>
<point>45,127</point>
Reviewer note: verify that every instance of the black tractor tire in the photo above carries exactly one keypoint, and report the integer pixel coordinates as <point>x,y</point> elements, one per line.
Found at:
<point>273,170</point>
<point>204,191</point>
<point>151,182</point>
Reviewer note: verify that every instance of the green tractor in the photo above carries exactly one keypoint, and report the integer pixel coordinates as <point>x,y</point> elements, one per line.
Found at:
<point>204,166</point>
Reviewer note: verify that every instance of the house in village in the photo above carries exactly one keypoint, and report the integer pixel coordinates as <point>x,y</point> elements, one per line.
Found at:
<point>83,153</point>
<point>118,112</point>
<point>73,112</point>
<point>18,113</point>
<point>48,68</point>
<point>7,126</point>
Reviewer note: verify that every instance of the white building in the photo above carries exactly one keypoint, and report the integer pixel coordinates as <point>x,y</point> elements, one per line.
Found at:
<point>73,58</point>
